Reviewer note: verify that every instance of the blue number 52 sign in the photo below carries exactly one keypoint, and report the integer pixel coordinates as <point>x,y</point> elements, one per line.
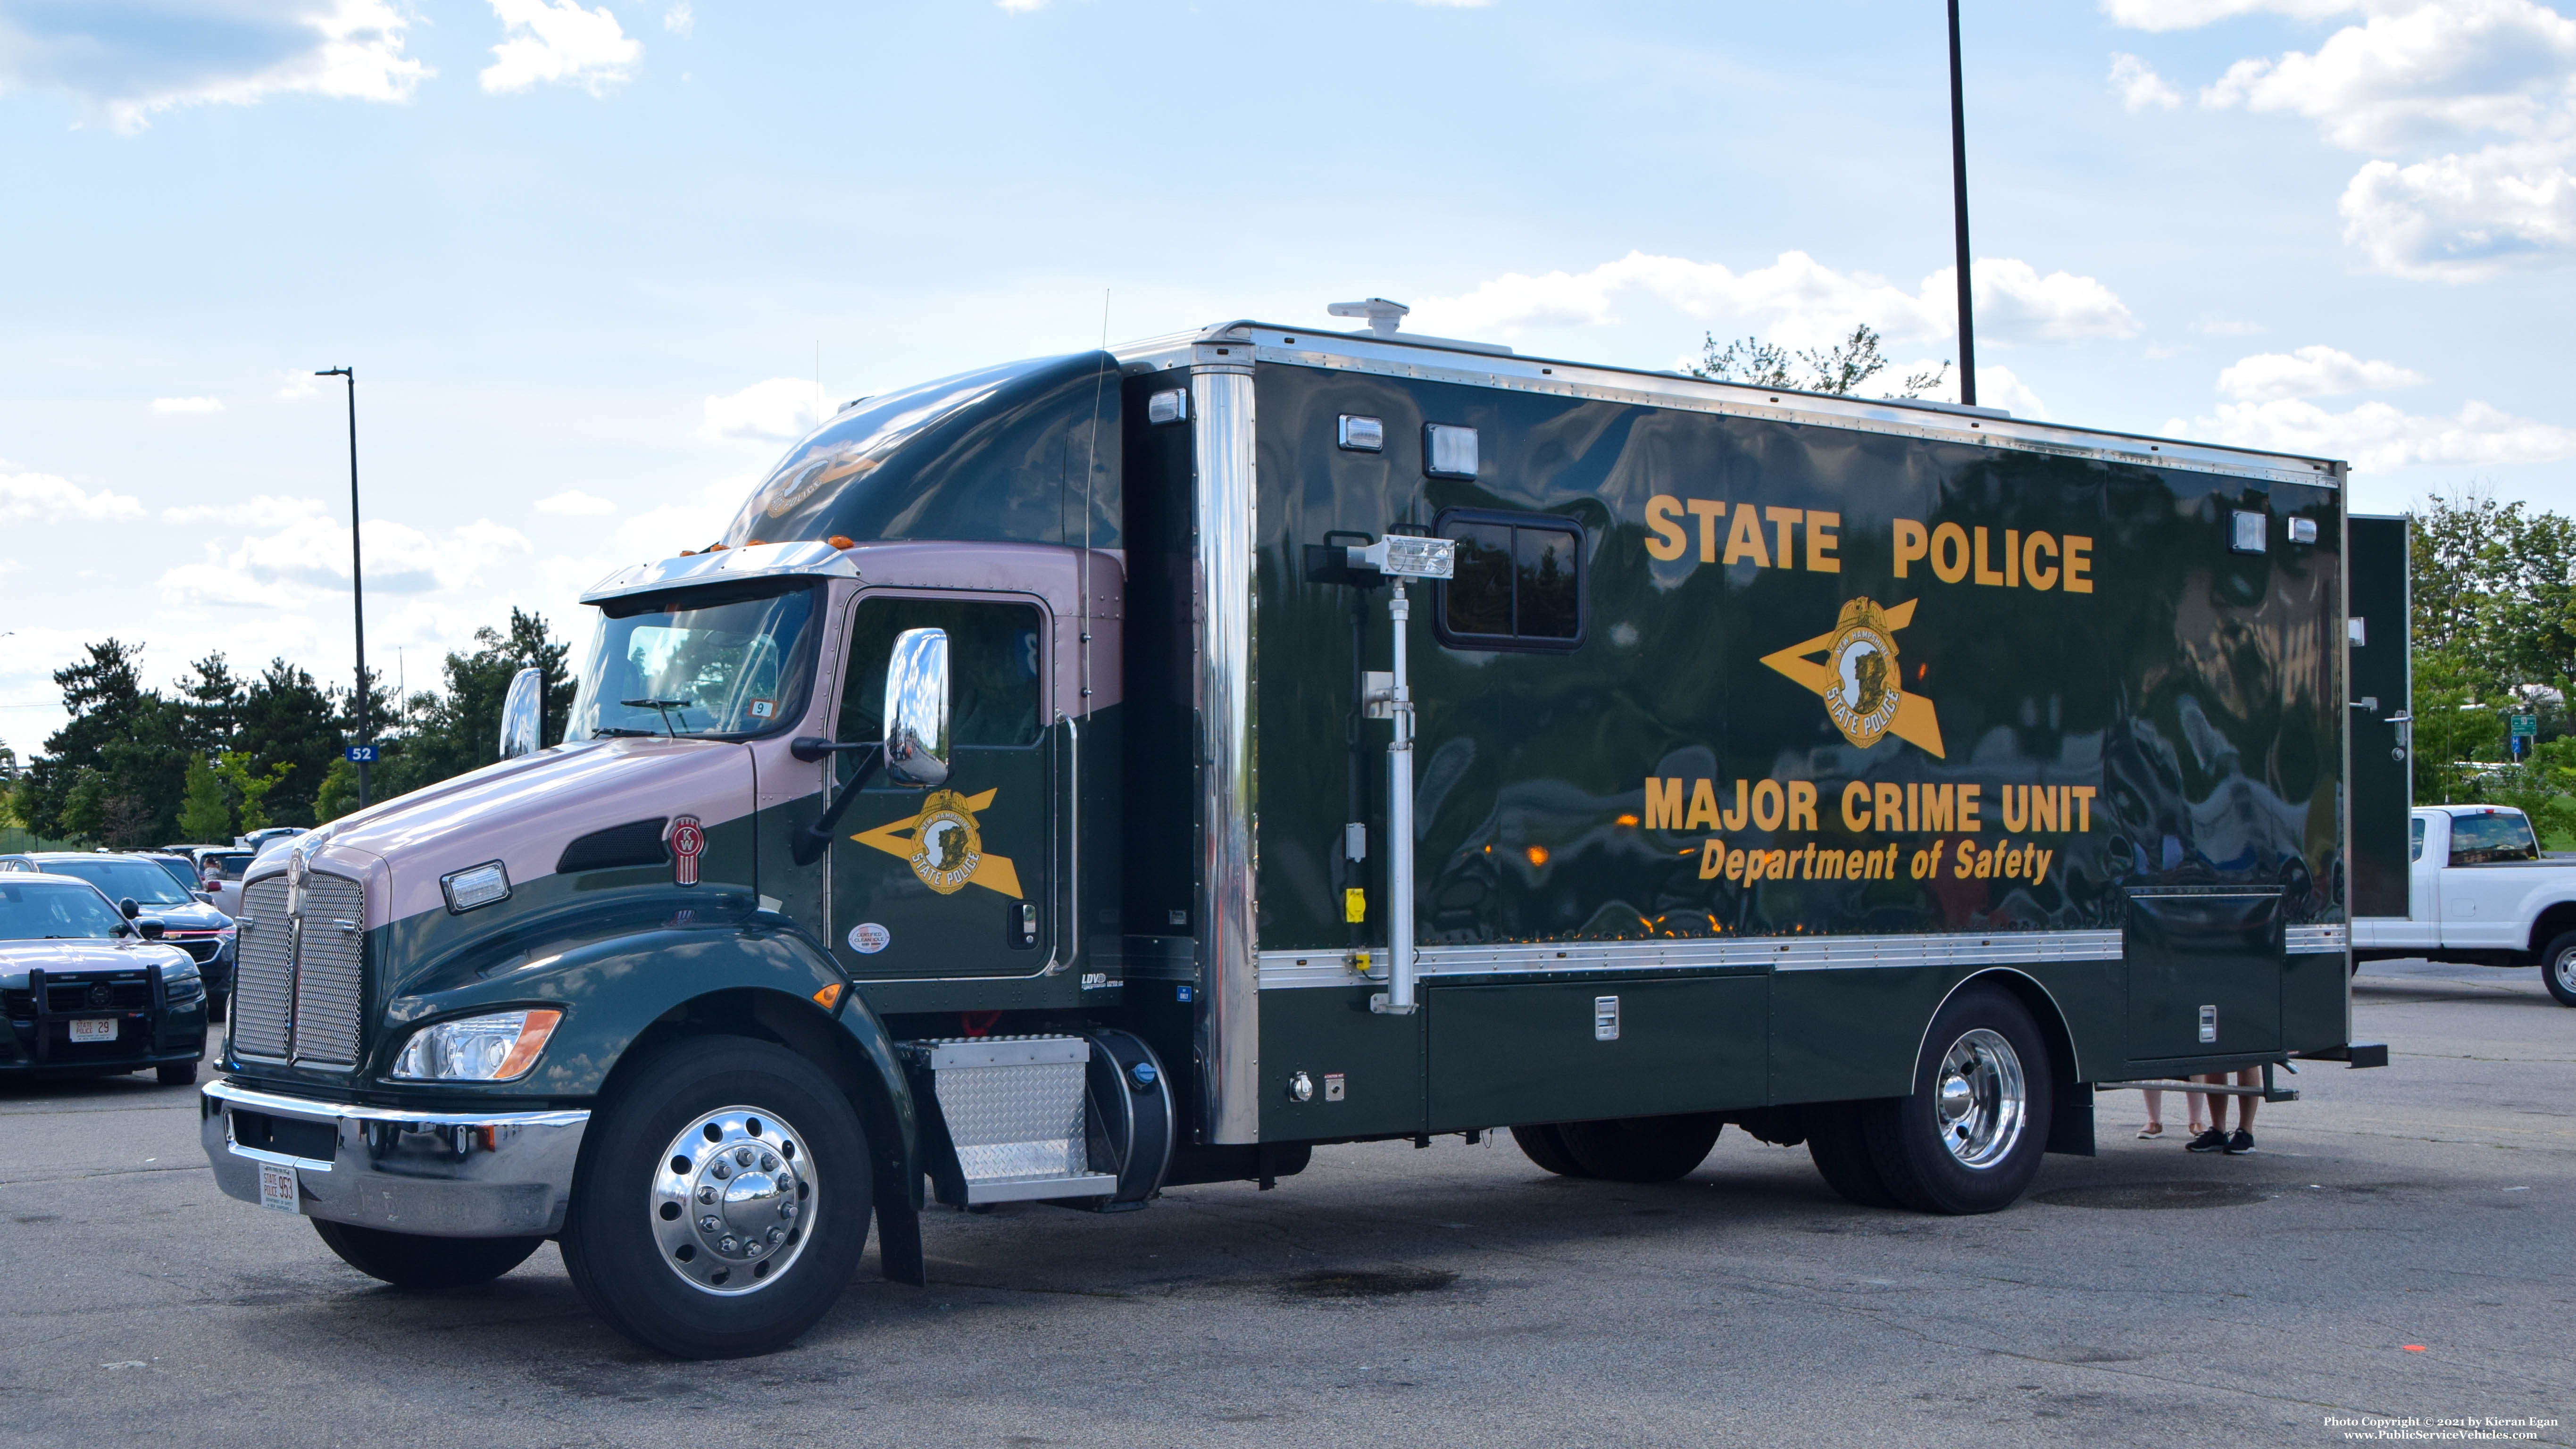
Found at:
<point>360,754</point>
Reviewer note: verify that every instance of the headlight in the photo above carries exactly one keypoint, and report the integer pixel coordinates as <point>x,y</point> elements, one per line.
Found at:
<point>496,1048</point>
<point>180,983</point>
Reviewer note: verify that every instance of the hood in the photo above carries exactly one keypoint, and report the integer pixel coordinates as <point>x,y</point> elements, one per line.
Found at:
<point>193,916</point>
<point>88,953</point>
<point>520,812</point>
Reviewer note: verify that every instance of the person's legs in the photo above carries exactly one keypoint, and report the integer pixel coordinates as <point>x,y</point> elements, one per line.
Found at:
<point>2250,1077</point>
<point>2215,1138</point>
<point>2199,1113</point>
<point>2155,1113</point>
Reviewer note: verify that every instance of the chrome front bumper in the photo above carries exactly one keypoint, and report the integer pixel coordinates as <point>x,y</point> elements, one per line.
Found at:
<point>440,1174</point>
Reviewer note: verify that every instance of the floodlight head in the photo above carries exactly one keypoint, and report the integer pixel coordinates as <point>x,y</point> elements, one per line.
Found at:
<point>1383,316</point>
<point>1406,556</point>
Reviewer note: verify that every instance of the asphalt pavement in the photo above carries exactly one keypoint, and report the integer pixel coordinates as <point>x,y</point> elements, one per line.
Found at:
<point>2396,1249</point>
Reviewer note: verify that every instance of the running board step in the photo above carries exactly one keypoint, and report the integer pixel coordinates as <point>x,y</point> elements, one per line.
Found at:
<point>1006,1118</point>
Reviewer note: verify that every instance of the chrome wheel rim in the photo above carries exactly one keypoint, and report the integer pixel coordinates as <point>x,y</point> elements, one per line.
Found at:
<point>731,1199</point>
<point>2565,967</point>
<point>1980,1099</point>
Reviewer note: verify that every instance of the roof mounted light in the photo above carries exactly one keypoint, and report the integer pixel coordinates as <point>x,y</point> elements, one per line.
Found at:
<point>1383,316</point>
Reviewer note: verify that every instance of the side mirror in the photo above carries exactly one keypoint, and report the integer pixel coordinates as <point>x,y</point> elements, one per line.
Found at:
<point>916,708</point>
<point>204,898</point>
<point>128,909</point>
<point>523,714</point>
<point>151,930</point>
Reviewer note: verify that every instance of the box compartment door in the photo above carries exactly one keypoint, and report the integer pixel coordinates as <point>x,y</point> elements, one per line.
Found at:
<point>2192,957</point>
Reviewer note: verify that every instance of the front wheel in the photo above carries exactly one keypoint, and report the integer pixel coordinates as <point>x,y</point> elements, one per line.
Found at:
<point>175,1074</point>
<point>1544,1144</point>
<point>2558,968</point>
<point>410,1260</point>
<point>722,1201</point>
<point>1642,1149</point>
<point>1970,1137</point>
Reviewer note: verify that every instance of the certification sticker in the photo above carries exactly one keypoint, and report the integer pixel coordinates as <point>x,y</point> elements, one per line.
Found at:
<point>868,938</point>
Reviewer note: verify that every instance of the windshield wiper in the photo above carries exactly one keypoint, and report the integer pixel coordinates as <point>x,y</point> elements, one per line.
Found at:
<point>662,707</point>
<point>619,732</point>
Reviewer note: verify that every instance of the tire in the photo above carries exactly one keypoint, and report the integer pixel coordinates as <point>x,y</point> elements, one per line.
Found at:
<point>409,1260</point>
<point>1839,1147</point>
<point>1642,1149</point>
<point>175,1074</point>
<point>722,1199</point>
<point>1970,1138</point>
<point>214,1011</point>
<point>1544,1144</point>
<point>2558,968</point>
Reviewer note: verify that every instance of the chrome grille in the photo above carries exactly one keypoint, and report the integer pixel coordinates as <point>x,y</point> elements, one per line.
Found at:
<point>263,973</point>
<point>329,947</point>
<point>299,986</point>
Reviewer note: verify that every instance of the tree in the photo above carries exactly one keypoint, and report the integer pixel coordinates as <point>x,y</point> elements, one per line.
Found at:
<point>252,785</point>
<point>287,719</point>
<point>115,771</point>
<point>461,730</point>
<point>1835,370</point>
<point>205,811</point>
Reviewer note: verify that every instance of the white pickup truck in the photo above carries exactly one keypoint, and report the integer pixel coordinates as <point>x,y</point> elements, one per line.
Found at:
<point>2480,891</point>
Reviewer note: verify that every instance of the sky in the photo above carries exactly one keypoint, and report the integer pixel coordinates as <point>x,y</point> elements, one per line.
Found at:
<point>597,265</point>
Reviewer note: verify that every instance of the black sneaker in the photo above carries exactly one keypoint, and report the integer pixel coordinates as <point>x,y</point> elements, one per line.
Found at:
<point>2212,1140</point>
<point>2241,1143</point>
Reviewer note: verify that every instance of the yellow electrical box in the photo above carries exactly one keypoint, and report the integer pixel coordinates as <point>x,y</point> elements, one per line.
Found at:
<point>1355,905</point>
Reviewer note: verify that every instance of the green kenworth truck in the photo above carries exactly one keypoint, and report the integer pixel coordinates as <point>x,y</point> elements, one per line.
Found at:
<point>1106,772</point>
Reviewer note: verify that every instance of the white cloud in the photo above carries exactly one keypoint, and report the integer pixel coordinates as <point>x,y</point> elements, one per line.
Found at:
<point>44,498</point>
<point>2476,98</point>
<point>2229,327</point>
<point>2139,86</point>
<point>2440,71</point>
<point>2377,435</point>
<point>2191,14</point>
<point>129,59</point>
<point>780,410</point>
<point>680,20</point>
<point>11,566</point>
<point>1997,387</point>
<point>573,503</point>
<point>262,511</point>
<point>299,384</point>
<point>307,560</point>
<point>187,405</point>
<point>1020,7</point>
<point>557,40</point>
<point>2318,371</point>
<point>2460,218</point>
<point>1796,301</point>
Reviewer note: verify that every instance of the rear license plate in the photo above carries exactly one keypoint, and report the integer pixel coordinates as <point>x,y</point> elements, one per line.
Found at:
<point>94,1030</point>
<point>277,1188</point>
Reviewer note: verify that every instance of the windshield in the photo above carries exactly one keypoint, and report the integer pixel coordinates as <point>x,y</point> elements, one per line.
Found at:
<point>147,883</point>
<point>708,662</point>
<point>41,910</point>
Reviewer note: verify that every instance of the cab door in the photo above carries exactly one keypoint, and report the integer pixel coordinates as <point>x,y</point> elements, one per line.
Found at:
<point>955,880</point>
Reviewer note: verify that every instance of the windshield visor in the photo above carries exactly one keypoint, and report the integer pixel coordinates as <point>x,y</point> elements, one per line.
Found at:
<point>138,880</point>
<point>708,662</point>
<point>38,911</point>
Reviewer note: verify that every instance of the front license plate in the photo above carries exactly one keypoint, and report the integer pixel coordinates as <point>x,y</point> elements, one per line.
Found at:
<point>277,1188</point>
<point>94,1030</point>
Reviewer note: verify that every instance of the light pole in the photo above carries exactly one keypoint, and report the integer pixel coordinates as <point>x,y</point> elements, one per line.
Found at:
<point>357,576</point>
<point>1959,210</point>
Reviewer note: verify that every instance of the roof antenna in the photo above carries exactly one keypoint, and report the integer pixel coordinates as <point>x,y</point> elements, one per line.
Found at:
<point>1383,316</point>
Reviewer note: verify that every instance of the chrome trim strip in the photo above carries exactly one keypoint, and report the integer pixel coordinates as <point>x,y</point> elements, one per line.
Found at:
<point>2316,940</point>
<point>262,1154</point>
<point>1229,1018</point>
<point>1327,966</point>
<point>1041,1189</point>
<point>312,1110</point>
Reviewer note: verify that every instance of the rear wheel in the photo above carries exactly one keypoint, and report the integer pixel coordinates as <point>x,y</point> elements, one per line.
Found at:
<point>1840,1149</point>
<point>722,1201</point>
<point>1544,1144</point>
<point>175,1074</point>
<point>2558,968</point>
<point>1642,1149</point>
<point>1970,1138</point>
<point>409,1260</point>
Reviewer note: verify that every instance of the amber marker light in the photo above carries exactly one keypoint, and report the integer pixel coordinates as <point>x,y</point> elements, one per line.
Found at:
<point>829,996</point>
<point>1537,854</point>
<point>532,1040</point>
<point>837,541</point>
<point>1627,819</point>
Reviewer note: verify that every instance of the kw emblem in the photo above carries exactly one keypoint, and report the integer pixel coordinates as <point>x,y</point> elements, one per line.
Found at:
<point>1860,680</point>
<point>943,846</point>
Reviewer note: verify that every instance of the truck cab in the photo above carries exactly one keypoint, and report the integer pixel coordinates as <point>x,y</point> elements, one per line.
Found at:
<point>2480,889</point>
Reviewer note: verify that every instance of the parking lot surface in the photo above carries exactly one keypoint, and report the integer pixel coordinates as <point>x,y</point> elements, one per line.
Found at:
<point>2396,1248</point>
